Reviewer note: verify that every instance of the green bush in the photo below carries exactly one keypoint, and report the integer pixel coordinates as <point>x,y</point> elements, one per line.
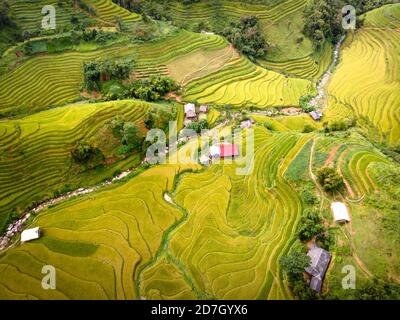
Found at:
<point>247,37</point>
<point>304,103</point>
<point>152,89</point>
<point>329,179</point>
<point>310,225</point>
<point>158,118</point>
<point>96,72</point>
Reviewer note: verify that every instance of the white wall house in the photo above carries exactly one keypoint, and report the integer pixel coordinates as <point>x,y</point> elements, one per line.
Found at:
<point>30,234</point>
<point>340,212</point>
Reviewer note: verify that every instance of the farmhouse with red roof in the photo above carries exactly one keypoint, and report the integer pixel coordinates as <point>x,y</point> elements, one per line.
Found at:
<point>224,150</point>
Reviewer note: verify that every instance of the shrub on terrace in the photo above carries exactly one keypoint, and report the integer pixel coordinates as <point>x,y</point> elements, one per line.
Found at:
<point>247,37</point>
<point>329,179</point>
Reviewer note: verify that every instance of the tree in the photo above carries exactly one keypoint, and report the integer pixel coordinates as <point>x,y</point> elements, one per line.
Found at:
<point>91,75</point>
<point>247,37</point>
<point>308,128</point>
<point>310,225</point>
<point>97,71</point>
<point>304,103</point>
<point>378,289</point>
<point>295,263</point>
<point>198,126</point>
<point>323,22</point>
<point>131,136</point>
<point>83,151</point>
<point>5,20</point>
<point>329,179</point>
<point>152,89</point>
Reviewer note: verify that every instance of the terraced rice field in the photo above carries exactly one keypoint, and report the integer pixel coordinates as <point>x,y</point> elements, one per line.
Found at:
<point>35,151</point>
<point>282,23</point>
<point>243,83</point>
<point>28,14</point>
<point>107,10</point>
<point>96,243</point>
<point>354,163</point>
<point>222,239</point>
<point>306,67</point>
<point>384,17</point>
<point>203,11</point>
<point>236,230</point>
<point>352,158</point>
<point>41,81</point>
<point>156,56</point>
<point>199,64</point>
<point>367,79</point>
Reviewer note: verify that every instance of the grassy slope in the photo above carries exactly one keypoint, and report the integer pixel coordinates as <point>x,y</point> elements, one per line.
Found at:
<point>361,240</point>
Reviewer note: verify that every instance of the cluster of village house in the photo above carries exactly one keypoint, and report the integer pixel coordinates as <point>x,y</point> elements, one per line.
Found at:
<point>316,115</point>
<point>221,150</point>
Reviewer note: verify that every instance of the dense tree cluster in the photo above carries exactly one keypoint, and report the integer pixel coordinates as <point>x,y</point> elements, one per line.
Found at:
<point>98,71</point>
<point>378,289</point>
<point>339,125</point>
<point>158,118</point>
<point>107,77</point>
<point>128,133</point>
<point>293,265</point>
<point>324,18</point>
<point>310,225</point>
<point>304,103</point>
<point>198,126</point>
<point>329,179</point>
<point>247,37</point>
<point>5,20</point>
<point>153,88</point>
<point>323,22</point>
<point>83,152</point>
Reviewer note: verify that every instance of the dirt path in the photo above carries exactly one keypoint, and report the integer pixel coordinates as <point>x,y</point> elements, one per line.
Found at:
<point>358,260</point>
<point>346,183</point>
<point>314,177</point>
<point>332,155</point>
<point>174,96</point>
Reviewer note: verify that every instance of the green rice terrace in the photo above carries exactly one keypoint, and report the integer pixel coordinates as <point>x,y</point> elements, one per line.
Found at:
<point>276,132</point>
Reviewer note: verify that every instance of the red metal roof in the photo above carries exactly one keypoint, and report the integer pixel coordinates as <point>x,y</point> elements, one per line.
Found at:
<point>228,150</point>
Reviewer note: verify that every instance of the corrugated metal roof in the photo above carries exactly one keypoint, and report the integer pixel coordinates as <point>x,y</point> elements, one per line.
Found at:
<point>30,234</point>
<point>320,259</point>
